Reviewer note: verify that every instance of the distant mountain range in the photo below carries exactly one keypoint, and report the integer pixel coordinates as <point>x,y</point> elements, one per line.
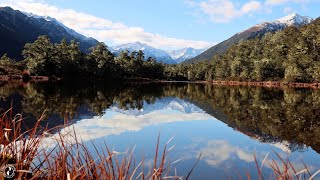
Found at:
<point>256,31</point>
<point>183,54</point>
<point>18,28</point>
<point>167,57</point>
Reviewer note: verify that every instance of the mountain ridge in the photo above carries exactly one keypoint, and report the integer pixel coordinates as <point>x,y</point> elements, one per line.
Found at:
<point>256,31</point>
<point>17,29</point>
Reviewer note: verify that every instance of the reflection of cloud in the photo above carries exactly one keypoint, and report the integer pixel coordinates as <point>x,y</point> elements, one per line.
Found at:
<point>221,154</point>
<point>219,151</point>
<point>99,127</point>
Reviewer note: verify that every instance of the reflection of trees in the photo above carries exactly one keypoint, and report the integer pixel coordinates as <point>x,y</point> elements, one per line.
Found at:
<point>288,114</point>
<point>66,99</point>
<point>262,113</point>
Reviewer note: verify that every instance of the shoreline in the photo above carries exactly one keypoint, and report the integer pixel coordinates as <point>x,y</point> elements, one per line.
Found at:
<point>270,84</point>
<point>8,78</point>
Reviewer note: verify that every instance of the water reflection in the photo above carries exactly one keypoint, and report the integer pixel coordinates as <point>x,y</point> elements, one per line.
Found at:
<point>227,124</point>
<point>115,121</point>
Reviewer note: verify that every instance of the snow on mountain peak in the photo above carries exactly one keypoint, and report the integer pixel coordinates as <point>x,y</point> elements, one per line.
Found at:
<point>135,46</point>
<point>184,54</point>
<point>47,18</point>
<point>294,19</point>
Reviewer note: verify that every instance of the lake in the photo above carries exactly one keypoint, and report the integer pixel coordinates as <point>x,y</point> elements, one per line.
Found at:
<point>227,124</point>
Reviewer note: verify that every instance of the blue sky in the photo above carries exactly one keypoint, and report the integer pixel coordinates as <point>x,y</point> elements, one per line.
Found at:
<point>165,24</point>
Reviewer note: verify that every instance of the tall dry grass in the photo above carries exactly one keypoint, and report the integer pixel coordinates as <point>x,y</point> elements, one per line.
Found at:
<point>283,169</point>
<point>68,158</point>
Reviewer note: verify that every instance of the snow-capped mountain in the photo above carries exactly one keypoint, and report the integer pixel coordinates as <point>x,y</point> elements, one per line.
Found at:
<point>293,19</point>
<point>185,53</point>
<point>255,31</point>
<point>18,28</point>
<point>158,54</point>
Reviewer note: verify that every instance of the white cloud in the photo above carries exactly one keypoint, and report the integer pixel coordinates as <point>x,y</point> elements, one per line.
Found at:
<point>223,11</point>
<point>251,6</point>
<point>226,10</point>
<point>102,29</point>
<point>280,2</point>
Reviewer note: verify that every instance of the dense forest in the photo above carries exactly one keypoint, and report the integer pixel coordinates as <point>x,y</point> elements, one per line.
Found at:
<point>289,55</point>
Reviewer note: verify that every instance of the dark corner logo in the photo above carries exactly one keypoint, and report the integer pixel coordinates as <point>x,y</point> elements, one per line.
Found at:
<point>8,171</point>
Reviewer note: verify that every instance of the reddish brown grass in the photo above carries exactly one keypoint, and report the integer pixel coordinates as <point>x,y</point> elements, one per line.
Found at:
<point>68,158</point>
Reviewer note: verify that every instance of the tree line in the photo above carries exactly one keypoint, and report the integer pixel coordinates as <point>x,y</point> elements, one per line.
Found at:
<point>64,59</point>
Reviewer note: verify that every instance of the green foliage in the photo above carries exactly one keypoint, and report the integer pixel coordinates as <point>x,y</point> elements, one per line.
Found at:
<point>40,56</point>
<point>6,61</point>
<point>66,60</point>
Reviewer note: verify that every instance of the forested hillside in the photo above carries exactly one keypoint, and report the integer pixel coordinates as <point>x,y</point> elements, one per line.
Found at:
<point>289,55</point>
<point>256,31</point>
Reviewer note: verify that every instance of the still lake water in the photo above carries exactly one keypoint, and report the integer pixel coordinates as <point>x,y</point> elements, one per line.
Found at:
<point>226,124</point>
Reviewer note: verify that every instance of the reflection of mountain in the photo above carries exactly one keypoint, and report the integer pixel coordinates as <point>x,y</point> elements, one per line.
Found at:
<point>161,104</point>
